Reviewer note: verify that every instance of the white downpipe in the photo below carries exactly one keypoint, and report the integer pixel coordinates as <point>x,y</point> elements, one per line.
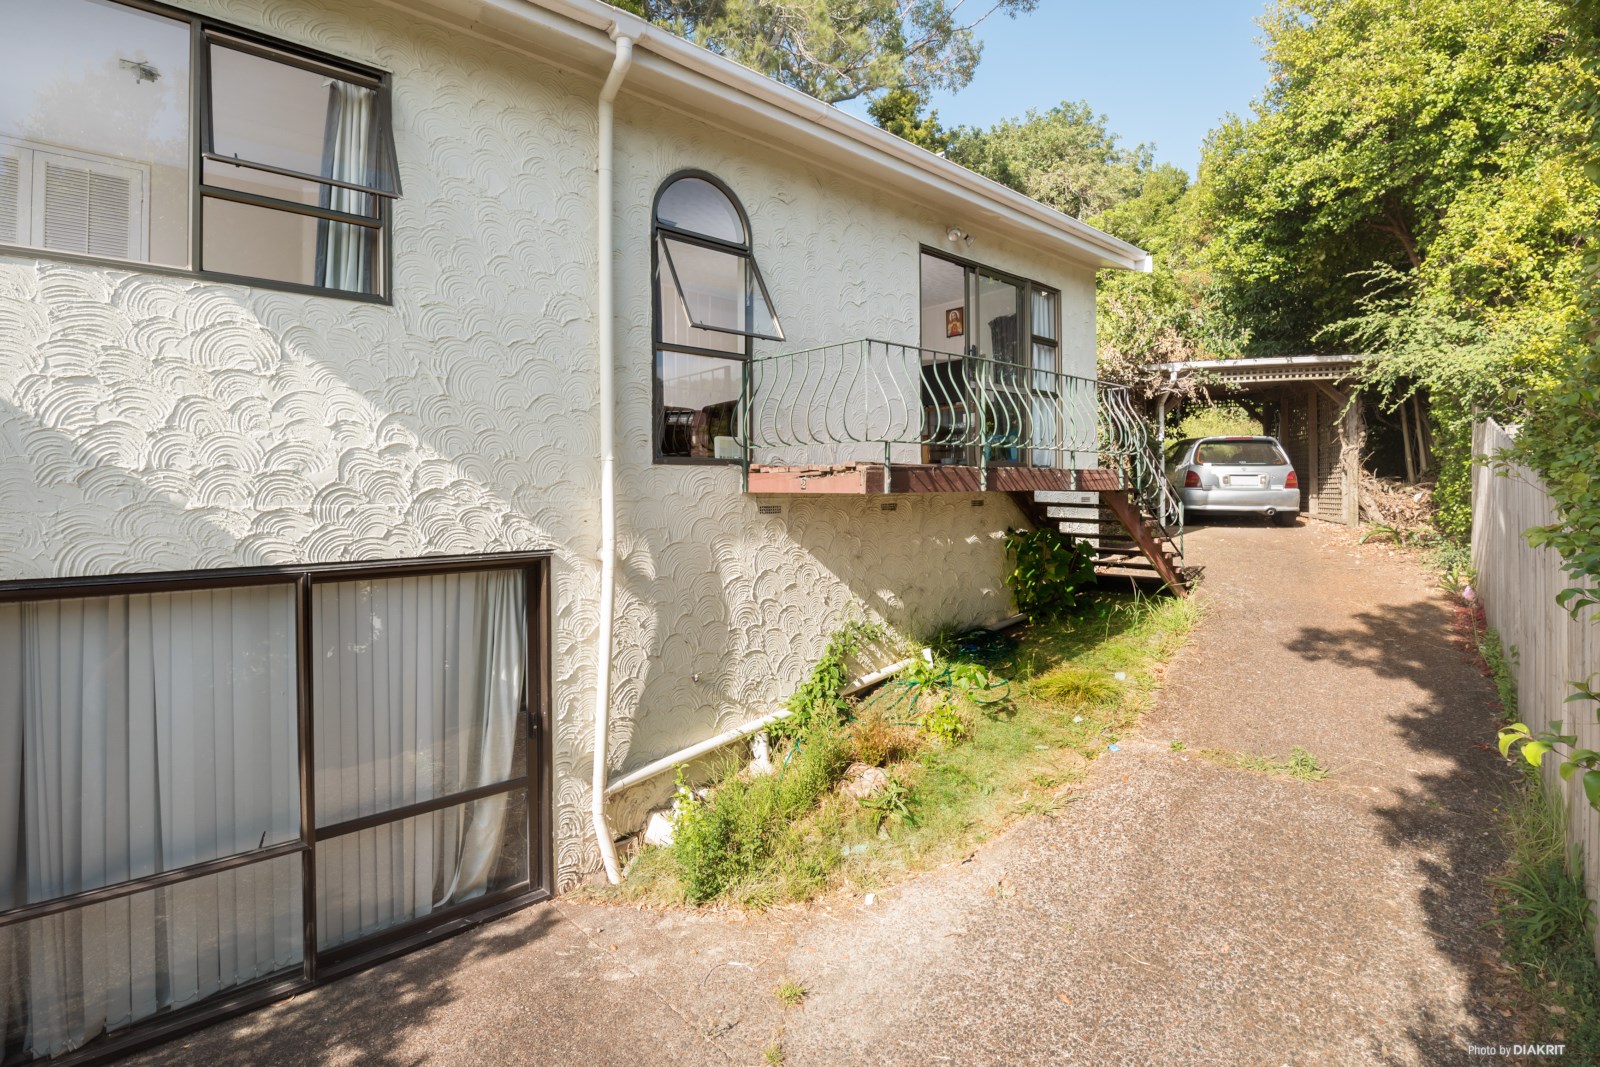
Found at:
<point>606,320</point>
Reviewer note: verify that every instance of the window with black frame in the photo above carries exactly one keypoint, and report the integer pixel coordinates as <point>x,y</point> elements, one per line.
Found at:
<point>292,163</point>
<point>217,786</point>
<point>710,304</point>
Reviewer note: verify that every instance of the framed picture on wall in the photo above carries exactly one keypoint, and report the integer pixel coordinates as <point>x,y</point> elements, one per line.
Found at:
<point>955,322</point>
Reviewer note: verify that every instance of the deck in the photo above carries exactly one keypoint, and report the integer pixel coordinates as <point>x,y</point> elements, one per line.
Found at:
<point>862,479</point>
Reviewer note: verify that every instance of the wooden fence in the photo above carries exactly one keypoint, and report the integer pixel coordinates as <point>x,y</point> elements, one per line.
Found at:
<point>1548,648</point>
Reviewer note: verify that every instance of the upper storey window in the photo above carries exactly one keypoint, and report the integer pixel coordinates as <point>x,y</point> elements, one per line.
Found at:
<point>146,135</point>
<point>710,304</point>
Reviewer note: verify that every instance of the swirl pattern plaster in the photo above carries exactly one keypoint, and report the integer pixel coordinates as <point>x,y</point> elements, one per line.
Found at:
<point>156,422</point>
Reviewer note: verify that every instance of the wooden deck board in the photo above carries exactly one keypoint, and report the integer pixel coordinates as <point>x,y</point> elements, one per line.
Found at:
<point>870,478</point>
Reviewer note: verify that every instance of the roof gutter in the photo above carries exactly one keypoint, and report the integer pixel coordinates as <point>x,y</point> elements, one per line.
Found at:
<point>874,147</point>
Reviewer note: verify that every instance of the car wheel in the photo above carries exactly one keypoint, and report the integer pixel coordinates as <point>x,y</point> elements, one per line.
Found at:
<point>1285,518</point>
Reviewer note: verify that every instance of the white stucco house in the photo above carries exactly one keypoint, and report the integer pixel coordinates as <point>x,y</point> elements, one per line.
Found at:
<point>399,397</point>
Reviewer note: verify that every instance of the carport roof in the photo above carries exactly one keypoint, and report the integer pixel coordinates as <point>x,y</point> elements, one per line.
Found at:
<point>1265,370</point>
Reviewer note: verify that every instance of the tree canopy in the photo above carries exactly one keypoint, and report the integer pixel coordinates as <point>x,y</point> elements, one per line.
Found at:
<point>1066,157</point>
<point>838,50</point>
<point>1390,131</point>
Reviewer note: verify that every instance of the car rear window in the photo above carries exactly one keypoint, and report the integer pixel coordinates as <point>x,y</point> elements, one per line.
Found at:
<point>1229,453</point>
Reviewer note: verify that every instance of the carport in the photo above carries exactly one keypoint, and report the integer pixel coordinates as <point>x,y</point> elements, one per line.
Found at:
<point>1306,402</point>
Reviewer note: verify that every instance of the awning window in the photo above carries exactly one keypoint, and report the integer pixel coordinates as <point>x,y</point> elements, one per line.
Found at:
<point>720,289</point>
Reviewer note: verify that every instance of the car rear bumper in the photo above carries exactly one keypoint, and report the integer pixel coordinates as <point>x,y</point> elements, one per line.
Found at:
<point>1259,501</point>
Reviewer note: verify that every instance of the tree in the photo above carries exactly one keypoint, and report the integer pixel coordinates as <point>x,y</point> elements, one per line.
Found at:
<point>899,111</point>
<point>1388,127</point>
<point>1406,188</point>
<point>1169,314</point>
<point>838,50</point>
<point>1064,157</point>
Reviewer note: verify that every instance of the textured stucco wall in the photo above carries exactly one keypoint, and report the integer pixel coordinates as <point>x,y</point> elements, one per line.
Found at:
<point>155,422</point>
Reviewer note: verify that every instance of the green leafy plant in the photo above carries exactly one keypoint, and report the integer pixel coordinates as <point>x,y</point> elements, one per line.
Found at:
<point>823,689</point>
<point>943,721</point>
<point>890,802</point>
<point>1050,571</point>
<point>1584,763</point>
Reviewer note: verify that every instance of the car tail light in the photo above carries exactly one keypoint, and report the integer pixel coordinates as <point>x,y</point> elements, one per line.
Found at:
<point>1292,482</point>
<point>1191,480</point>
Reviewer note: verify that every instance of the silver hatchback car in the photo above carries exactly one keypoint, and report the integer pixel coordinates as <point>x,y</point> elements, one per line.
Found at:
<point>1229,474</point>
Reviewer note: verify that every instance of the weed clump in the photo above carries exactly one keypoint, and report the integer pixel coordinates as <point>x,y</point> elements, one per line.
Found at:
<point>729,835</point>
<point>1304,766</point>
<point>790,993</point>
<point>877,739</point>
<point>1548,921</point>
<point>1076,688</point>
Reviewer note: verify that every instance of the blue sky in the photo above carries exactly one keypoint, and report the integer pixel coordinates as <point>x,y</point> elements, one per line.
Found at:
<point>1162,71</point>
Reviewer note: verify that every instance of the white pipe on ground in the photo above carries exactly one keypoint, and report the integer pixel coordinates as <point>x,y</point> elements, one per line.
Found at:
<point>710,744</point>
<point>728,737</point>
<point>606,325</point>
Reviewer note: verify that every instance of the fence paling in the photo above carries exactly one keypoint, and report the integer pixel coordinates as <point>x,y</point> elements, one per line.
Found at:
<point>1547,648</point>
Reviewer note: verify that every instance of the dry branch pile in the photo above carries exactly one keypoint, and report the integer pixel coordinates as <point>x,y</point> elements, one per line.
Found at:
<point>1392,502</point>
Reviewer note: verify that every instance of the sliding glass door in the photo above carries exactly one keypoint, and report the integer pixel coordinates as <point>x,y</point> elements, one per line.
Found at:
<point>418,688</point>
<point>210,782</point>
<point>990,387</point>
<point>143,735</point>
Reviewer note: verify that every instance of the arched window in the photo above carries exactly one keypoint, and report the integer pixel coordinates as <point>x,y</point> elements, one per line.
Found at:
<point>710,304</point>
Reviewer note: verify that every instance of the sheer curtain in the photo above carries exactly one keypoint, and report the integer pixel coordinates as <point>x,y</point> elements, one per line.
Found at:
<point>349,154</point>
<point>140,734</point>
<point>416,688</point>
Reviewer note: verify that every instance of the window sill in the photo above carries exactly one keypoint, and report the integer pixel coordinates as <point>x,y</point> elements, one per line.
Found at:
<point>694,461</point>
<point>42,255</point>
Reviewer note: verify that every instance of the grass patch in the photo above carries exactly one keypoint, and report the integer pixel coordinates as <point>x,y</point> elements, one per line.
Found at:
<point>1301,764</point>
<point>772,1054</point>
<point>790,993</point>
<point>1547,920</point>
<point>1541,905</point>
<point>964,755</point>
<point>731,836</point>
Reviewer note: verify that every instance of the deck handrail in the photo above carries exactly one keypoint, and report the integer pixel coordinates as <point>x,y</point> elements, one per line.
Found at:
<point>961,409</point>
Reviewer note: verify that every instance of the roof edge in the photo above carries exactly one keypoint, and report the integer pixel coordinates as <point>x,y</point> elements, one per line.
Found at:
<point>830,123</point>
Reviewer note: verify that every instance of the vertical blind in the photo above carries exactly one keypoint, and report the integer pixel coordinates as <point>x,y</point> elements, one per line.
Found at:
<point>11,225</point>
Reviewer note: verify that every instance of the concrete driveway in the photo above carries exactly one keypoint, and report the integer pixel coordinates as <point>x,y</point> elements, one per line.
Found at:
<point>1179,911</point>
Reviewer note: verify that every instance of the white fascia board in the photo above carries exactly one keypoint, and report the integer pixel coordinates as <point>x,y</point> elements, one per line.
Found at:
<point>674,69</point>
<point>1259,361</point>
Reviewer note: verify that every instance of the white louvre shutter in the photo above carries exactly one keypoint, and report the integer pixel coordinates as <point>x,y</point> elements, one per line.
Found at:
<point>89,207</point>
<point>15,170</point>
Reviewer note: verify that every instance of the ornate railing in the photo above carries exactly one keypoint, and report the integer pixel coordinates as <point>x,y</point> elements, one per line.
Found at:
<point>1129,448</point>
<point>900,404</point>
